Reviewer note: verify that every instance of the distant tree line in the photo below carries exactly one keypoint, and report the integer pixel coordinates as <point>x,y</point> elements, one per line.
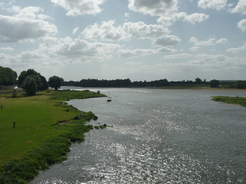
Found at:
<point>115,83</point>
<point>238,84</point>
<point>214,83</point>
<point>99,83</point>
<point>32,81</point>
<point>156,83</point>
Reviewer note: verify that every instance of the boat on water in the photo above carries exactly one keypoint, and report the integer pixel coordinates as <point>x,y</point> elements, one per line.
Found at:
<point>109,98</point>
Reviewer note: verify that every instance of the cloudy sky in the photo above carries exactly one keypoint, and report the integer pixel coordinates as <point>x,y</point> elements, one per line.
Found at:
<point>119,39</point>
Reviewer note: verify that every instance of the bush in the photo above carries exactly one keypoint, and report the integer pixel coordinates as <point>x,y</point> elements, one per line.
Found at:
<point>14,93</point>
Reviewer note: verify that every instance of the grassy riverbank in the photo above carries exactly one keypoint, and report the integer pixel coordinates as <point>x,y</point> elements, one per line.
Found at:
<point>45,126</point>
<point>231,100</point>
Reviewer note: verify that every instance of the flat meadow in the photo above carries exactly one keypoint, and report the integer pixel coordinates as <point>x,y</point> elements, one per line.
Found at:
<point>36,131</point>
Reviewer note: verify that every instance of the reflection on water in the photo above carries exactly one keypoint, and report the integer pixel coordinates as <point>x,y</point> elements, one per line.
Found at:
<point>157,136</point>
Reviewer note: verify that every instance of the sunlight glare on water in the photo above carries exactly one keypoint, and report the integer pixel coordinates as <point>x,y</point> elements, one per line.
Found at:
<point>157,136</point>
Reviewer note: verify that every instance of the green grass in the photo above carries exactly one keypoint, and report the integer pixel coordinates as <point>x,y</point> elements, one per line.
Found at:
<point>66,95</point>
<point>231,100</point>
<point>34,117</point>
<point>45,127</point>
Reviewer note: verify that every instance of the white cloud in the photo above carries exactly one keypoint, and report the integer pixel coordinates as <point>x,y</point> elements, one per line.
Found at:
<point>143,31</point>
<point>60,52</point>
<point>213,4</point>
<point>30,56</point>
<point>238,49</point>
<point>242,25</point>
<point>105,31</point>
<point>154,7</point>
<point>211,57</point>
<point>15,9</point>
<point>167,49</point>
<point>24,26</point>
<point>6,48</point>
<point>81,49</point>
<point>170,19</point>
<point>80,7</point>
<point>222,41</point>
<point>135,53</point>
<point>7,59</point>
<point>126,15</point>
<point>168,40</point>
<point>209,42</point>
<point>196,17</point>
<point>177,56</point>
<point>75,30</point>
<point>28,12</point>
<point>214,65</point>
<point>195,48</point>
<point>44,17</point>
<point>167,21</point>
<point>240,7</point>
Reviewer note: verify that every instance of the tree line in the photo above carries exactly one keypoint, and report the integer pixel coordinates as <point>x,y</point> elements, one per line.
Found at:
<point>156,83</point>
<point>115,83</point>
<point>234,84</point>
<point>129,83</point>
<point>30,80</point>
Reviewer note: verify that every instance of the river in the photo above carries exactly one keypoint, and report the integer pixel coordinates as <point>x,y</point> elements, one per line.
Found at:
<point>157,136</point>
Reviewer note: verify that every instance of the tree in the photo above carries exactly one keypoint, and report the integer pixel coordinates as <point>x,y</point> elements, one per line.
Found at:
<point>241,84</point>
<point>7,76</point>
<point>45,85</point>
<point>34,74</point>
<point>40,81</point>
<point>30,85</point>
<point>14,93</point>
<point>55,82</point>
<point>214,83</point>
<point>21,78</point>
<point>198,80</point>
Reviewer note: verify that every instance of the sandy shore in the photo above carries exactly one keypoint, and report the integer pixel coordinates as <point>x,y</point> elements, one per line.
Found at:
<point>219,89</point>
<point>202,89</point>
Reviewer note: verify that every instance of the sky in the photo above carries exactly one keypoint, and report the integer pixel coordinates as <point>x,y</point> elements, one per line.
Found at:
<point>119,39</point>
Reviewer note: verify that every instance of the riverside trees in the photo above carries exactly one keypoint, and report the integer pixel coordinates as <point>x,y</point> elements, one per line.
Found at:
<point>7,76</point>
<point>55,82</point>
<point>214,83</point>
<point>32,81</point>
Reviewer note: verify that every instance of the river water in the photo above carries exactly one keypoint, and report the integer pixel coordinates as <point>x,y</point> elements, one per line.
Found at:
<point>157,136</point>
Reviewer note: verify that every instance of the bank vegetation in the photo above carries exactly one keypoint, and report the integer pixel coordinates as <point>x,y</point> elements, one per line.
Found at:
<point>37,131</point>
<point>231,100</point>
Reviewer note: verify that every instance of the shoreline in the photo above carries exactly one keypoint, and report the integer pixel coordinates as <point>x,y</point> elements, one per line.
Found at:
<point>199,89</point>
<point>56,139</point>
<point>169,88</point>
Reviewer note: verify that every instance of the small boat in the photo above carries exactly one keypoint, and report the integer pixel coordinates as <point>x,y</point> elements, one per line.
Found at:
<point>109,98</point>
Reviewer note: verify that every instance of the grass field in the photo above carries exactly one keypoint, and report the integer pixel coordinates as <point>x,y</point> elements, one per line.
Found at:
<point>39,121</point>
<point>231,100</point>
